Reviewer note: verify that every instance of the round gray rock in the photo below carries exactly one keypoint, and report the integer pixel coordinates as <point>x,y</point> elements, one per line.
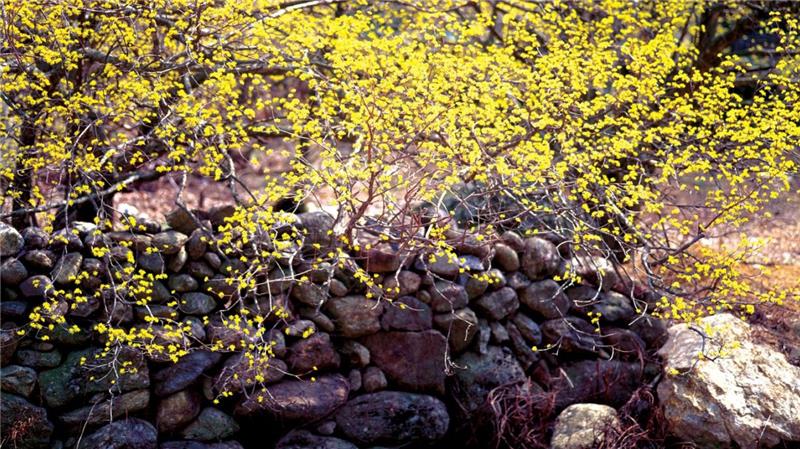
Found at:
<point>393,417</point>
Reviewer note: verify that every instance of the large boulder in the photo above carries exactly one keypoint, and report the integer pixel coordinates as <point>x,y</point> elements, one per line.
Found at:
<point>298,400</point>
<point>412,360</point>
<point>24,425</point>
<point>744,393</point>
<point>132,433</point>
<point>392,418</point>
<point>583,426</point>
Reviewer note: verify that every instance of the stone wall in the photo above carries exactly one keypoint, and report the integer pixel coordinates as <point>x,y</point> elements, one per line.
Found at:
<point>342,370</point>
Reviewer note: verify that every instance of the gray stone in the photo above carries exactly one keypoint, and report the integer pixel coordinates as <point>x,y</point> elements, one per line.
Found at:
<point>459,326</point>
<point>546,299</point>
<point>300,328</point>
<point>155,310</point>
<point>131,433</point>
<point>129,240</point>
<point>624,343</point>
<point>196,303</point>
<point>303,439</point>
<point>610,382</point>
<point>22,424</point>
<point>441,265</point>
<point>321,320</point>
<point>169,242</point>
<point>474,284</point>
<point>242,372</point>
<point>652,330</point>
<point>152,262</point>
<point>447,296</point>
<point>393,417</point>
<point>310,294</point>
<point>211,425</point>
<point>355,316</point>
<point>40,259</point>
<point>517,280</point>
<point>11,241</point>
<point>479,374</point>
<point>71,380</point>
<point>9,340</point>
<point>196,245</point>
<point>513,240</point>
<point>36,286</point>
<point>525,354</point>
<point>412,360</point>
<point>315,353</point>
<point>298,400</point>
<point>499,333</point>
<point>35,238</point>
<point>12,272</point>
<point>354,353</point>
<point>354,377</point>
<point>102,412</point>
<point>614,308</point>
<point>748,397</point>
<point>498,304</point>
<point>199,270</point>
<point>571,335</point>
<point>13,310</point>
<point>38,359</point>
<point>402,283</point>
<point>182,283</point>
<point>506,258</point>
<point>316,226</point>
<point>181,220</point>
<point>177,410</point>
<point>528,328</point>
<point>583,426</point>
<point>184,373</point>
<point>374,380</point>
<point>382,258</point>
<point>18,380</point>
<point>407,314</point>
<point>540,259</point>
<point>213,260</point>
<point>337,288</point>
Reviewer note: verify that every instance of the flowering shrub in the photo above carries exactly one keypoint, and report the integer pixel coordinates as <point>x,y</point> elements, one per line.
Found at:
<point>628,131</point>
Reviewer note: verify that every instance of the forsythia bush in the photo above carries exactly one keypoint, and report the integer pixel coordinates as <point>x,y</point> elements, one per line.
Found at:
<point>630,130</point>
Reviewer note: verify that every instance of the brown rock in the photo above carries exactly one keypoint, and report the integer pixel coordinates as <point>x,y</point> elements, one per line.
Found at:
<point>412,360</point>
<point>177,410</point>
